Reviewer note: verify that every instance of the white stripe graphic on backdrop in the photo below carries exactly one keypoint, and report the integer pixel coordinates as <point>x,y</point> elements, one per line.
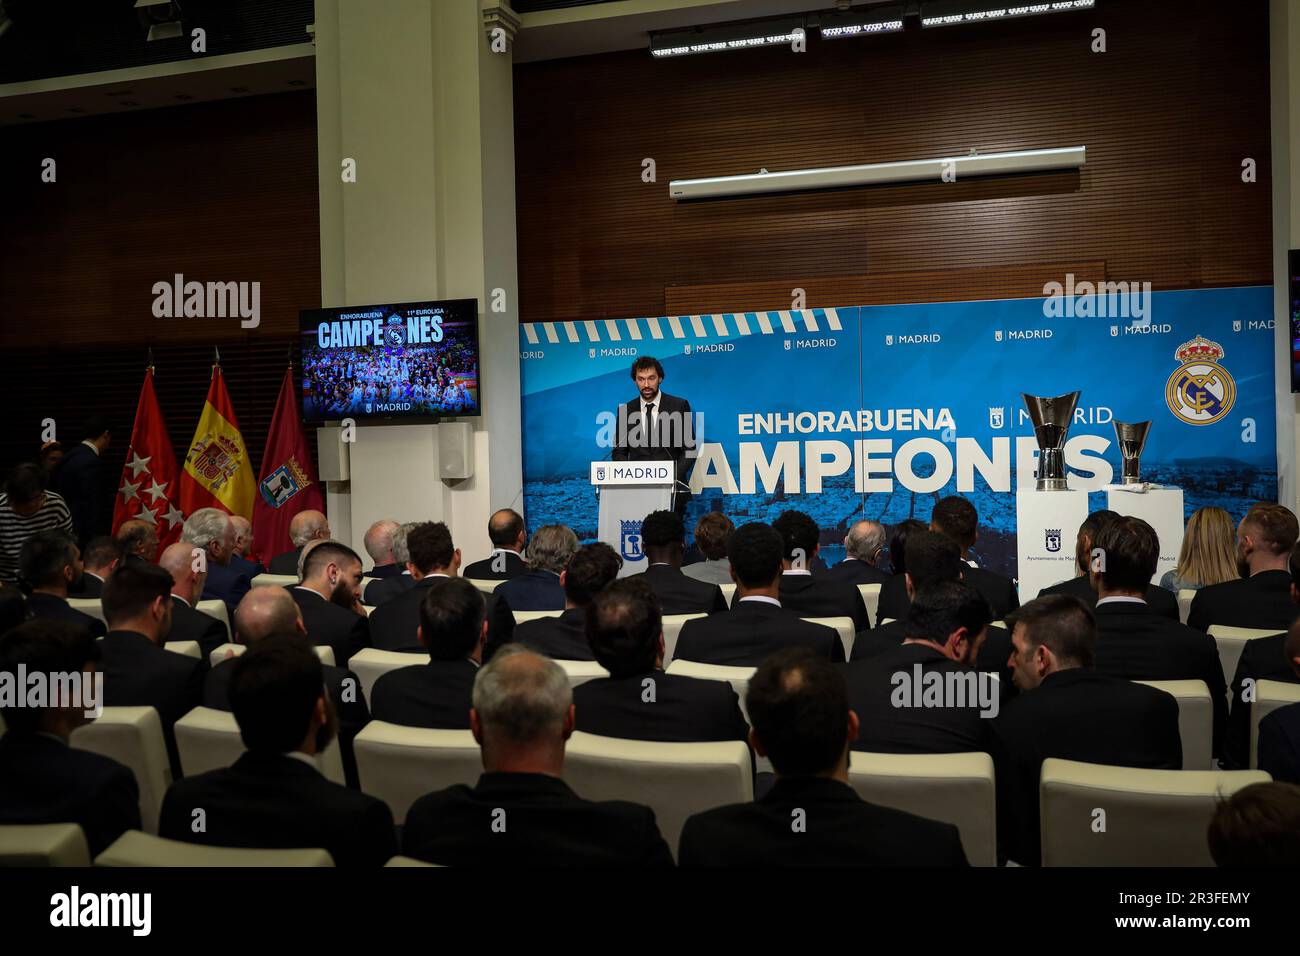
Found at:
<point>742,323</point>
<point>833,320</point>
<point>655,331</point>
<point>612,328</point>
<point>571,331</point>
<point>697,324</point>
<point>719,325</point>
<point>633,329</point>
<point>530,333</point>
<point>810,319</point>
<point>675,324</point>
<point>764,322</point>
<point>787,323</point>
<point>551,335</point>
<point>592,334</point>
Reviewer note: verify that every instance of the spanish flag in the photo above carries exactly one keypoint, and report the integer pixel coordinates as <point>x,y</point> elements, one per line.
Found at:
<point>217,472</point>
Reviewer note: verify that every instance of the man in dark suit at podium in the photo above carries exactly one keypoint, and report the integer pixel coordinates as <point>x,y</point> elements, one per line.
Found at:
<point>509,538</point>
<point>656,426</point>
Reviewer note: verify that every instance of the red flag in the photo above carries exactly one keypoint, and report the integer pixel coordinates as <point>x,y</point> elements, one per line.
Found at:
<point>217,472</point>
<point>148,489</point>
<point>287,484</point>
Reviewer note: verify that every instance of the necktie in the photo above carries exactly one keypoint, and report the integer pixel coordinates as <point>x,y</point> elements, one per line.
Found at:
<point>650,424</point>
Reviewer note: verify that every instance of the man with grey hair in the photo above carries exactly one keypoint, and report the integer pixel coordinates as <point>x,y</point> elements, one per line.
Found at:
<point>243,545</point>
<point>211,530</point>
<point>521,813</point>
<point>539,588</point>
<point>863,546</point>
<point>385,589</point>
<point>379,545</point>
<point>303,527</point>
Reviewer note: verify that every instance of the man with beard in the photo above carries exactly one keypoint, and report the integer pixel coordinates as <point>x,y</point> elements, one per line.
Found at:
<point>656,426</point>
<point>50,564</point>
<point>330,598</point>
<point>1262,596</point>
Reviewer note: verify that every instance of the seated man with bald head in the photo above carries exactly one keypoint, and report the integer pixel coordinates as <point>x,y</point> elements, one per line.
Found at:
<point>520,813</point>
<point>189,623</point>
<point>379,545</point>
<point>509,537</point>
<point>139,541</point>
<point>862,549</point>
<point>303,527</point>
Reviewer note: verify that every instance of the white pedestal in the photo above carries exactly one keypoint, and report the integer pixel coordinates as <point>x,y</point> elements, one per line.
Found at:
<point>1160,507</point>
<point>628,492</point>
<point>1047,523</point>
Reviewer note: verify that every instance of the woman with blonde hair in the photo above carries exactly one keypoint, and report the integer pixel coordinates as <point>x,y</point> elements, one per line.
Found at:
<point>1209,553</point>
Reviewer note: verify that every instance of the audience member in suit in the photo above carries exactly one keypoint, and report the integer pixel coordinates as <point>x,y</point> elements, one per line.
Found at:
<point>139,541</point>
<point>712,532</point>
<point>863,546</point>
<point>274,797</point>
<point>189,623</point>
<point>638,700</point>
<point>522,715</point>
<point>1279,732</point>
<point>239,556</point>
<point>50,564</point>
<point>1133,641</point>
<point>898,536</point>
<point>212,530</point>
<point>591,569</point>
<point>101,557</point>
<point>330,598</point>
<point>810,595</point>
<point>757,623</point>
<point>1258,826</point>
<point>138,671</point>
<point>379,593</point>
<point>509,537</point>
<point>267,611</point>
<point>893,692</point>
<point>42,778</point>
<point>663,540</point>
<point>1081,586</point>
<point>436,693</point>
<point>957,518</point>
<point>803,723</point>
<point>1068,710</point>
<point>538,589</point>
<point>81,479</point>
<point>13,607</point>
<point>304,527</point>
<point>378,542</point>
<point>1261,598</point>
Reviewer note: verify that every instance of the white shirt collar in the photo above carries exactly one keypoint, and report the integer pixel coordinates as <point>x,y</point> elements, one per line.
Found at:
<point>91,445</point>
<point>761,597</point>
<point>182,600</point>
<point>1120,599</point>
<point>507,551</point>
<point>655,401</point>
<point>299,755</point>
<point>797,571</point>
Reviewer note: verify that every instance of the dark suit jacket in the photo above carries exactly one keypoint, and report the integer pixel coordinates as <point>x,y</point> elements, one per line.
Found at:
<point>875,691</point>
<point>482,570</point>
<point>842,829</point>
<point>43,780</point>
<point>430,694</point>
<point>749,632</point>
<point>57,609</point>
<point>190,624</point>
<point>1163,602</point>
<point>382,571</point>
<point>1279,744</point>
<point>1074,714</point>
<point>226,582</point>
<point>810,595</point>
<point>993,655</point>
<point>679,594</point>
<point>271,801</point>
<point>79,478</point>
<point>1261,601</point>
<point>532,591</point>
<point>683,709</point>
<point>1136,643</point>
<point>393,625</point>
<point>855,572</point>
<point>286,563</point>
<point>546,824</point>
<point>562,638</point>
<point>329,624</point>
<point>1264,658</point>
<point>666,444</point>
<point>246,566</point>
<point>90,586</point>
<point>379,593</point>
<point>139,673</point>
<point>998,590</point>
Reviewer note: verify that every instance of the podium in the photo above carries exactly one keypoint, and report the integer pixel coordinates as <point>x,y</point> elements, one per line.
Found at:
<point>1159,506</point>
<point>630,490</point>
<point>1047,523</point>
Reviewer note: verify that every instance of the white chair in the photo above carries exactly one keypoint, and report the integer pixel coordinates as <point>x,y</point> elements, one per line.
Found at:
<point>408,861</point>
<point>1231,642</point>
<point>187,648</point>
<point>219,654</point>
<point>134,848</point>
<point>737,677</point>
<point>672,624</point>
<point>579,672</point>
<point>728,592</point>
<point>401,764</point>
<point>1151,817</point>
<point>367,609</point>
<point>89,606</point>
<point>521,616</point>
<point>954,788</point>
<point>675,780</point>
<point>842,626</point>
<point>1269,696</point>
<point>132,736</point>
<point>1195,719</point>
<point>274,580</point>
<point>370,664</point>
<point>365,583</point>
<point>888,620</point>
<point>1185,603</point>
<point>484,585</point>
<point>216,608</point>
<point>871,598</point>
<point>43,844</point>
<point>209,740</point>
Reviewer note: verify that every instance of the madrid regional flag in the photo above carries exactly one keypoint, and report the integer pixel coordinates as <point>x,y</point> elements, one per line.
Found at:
<point>149,487</point>
<point>217,471</point>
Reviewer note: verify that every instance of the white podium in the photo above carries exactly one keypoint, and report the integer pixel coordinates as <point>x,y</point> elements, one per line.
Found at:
<point>1159,506</point>
<point>1047,524</point>
<point>630,490</point>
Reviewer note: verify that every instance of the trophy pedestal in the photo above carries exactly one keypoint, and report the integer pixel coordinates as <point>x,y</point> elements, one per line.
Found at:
<point>1159,506</point>
<point>1047,524</point>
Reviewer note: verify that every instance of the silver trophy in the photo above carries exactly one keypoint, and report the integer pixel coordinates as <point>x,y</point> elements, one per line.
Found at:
<point>1051,418</point>
<point>1132,439</point>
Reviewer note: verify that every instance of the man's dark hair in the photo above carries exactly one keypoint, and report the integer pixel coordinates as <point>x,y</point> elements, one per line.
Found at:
<point>130,590</point>
<point>95,426</point>
<point>932,557</point>
<point>504,532</point>
<point>132,537</point>
<point>624,622</point>
<point>451,619</point>
<point>329,552</point>
<point>712,533</point>
<point>898,538</point>
<point>799,709</point>
<point>1061,622</point>
<point>25,484</point>
<point>1130,551</point>
<point>1259,825</point>
<point>101,550</point>
<point>47,646</point>
<point>273,689</point>
<point>429,545</point>
<point>957,518</point>
<point>941,607</point>
<point>13,607</point>
<point>590,571</point>
<point>1093,525</point>
<point>755,551</point>
<point>1274,525</point>
<point>43,557</point>
<point>798,533</point>
<point>662,530</point>
<point>645,363</point>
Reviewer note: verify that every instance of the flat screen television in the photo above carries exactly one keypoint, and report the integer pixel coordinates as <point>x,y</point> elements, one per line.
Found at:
<point>412,360</point>
<point>1293,313</point>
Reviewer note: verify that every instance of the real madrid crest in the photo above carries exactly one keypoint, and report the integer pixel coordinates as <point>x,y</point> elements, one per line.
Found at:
<point>1200,391</point>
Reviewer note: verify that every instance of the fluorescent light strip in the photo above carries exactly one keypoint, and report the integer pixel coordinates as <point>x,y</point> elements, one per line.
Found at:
<point>738,43</point>
<point>857,29</point>
<point>1004,13</point>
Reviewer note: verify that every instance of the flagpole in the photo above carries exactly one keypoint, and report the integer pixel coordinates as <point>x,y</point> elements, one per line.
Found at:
<point>216,360</point>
